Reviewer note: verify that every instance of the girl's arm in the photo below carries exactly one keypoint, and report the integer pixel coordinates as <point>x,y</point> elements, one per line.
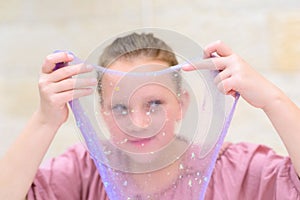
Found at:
<point>237,76</point>
<point>20,163</point>
<point>285,117</point>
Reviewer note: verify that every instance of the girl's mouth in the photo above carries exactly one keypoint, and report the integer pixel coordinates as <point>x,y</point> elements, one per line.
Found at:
<point>141,141</point>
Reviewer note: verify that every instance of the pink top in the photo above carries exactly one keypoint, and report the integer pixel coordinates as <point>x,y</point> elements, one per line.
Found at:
<point>242,171</point>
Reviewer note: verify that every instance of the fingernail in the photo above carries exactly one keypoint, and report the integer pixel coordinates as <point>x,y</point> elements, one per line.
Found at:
<point>89,67</point>
<point>70,57</point>
<point>185,66</point>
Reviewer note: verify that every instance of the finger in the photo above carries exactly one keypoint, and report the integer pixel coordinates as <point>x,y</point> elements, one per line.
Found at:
<point>217,63</point>
<point>218,48</point>
<point>82,92</point>
<point>69,71</point>
<point>225,86</point>
<point>225,74</point>
<point>73,94</point>
<point>52,59</point>
<point>73,84</point>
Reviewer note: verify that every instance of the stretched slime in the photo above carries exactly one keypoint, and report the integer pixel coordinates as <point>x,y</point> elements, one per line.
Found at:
<point>154,132</point>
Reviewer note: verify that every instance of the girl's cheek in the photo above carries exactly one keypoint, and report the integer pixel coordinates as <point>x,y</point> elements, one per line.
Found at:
<point>167,133</point>
<point>116,133</point>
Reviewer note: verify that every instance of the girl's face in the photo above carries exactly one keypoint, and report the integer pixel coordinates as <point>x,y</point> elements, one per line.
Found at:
<point>141,114</point>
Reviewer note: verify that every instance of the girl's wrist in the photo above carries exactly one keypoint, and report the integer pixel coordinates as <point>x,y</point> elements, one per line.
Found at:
<point>276,99</point>
<point>45,120</point>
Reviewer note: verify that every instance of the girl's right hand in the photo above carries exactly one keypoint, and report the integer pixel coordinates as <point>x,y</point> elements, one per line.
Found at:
<point>57,87</point>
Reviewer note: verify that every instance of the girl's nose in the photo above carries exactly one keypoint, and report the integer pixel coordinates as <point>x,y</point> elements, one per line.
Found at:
<point>140,118</point>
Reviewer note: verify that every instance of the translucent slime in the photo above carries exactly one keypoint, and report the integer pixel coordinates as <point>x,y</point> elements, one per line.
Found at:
<point>153,131</point>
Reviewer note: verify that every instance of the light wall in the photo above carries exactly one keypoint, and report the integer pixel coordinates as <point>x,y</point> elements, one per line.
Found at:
<point>265,33</point>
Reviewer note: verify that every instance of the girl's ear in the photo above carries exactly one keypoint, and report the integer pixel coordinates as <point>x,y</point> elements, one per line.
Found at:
<point>184,104</point>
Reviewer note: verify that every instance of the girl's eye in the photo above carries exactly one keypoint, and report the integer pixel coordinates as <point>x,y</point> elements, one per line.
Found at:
<point>120,109</point>
<point>154,105</point>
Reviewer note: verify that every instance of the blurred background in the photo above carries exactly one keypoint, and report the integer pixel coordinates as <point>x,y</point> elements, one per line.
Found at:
<point>265,33</point>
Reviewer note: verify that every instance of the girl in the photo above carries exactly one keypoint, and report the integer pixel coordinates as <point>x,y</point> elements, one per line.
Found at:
<point>242,171</point>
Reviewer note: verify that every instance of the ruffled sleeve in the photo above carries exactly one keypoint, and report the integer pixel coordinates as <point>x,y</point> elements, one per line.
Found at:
<point>248,171</point>
<point>71,175</point>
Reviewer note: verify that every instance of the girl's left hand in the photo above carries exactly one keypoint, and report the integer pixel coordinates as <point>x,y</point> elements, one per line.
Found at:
<point>236,76</point>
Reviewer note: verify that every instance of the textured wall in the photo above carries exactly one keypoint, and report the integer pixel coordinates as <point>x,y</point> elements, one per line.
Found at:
<point>265,33</point>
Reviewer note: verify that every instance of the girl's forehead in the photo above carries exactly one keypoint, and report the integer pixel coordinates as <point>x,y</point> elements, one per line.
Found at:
<point>134,71</point>
<point>130,65</point>
<point>136,79</point>
<point>125,86</point>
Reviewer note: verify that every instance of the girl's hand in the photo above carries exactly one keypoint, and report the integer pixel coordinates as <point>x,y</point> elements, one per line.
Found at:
<point>58,87</point>
<point>236,75</point>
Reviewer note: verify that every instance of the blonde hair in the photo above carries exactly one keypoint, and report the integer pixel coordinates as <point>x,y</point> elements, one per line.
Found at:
<point>137,45</point>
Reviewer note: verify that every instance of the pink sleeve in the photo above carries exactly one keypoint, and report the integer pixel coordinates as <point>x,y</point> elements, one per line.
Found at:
<point>247,171</point>
<point>71,175</point>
